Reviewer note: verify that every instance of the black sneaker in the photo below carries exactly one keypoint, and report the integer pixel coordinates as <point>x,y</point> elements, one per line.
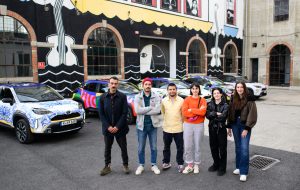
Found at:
<point>221,172</point>
<point>126,169</point>
<point>213,168</point>
<point>106,170</point>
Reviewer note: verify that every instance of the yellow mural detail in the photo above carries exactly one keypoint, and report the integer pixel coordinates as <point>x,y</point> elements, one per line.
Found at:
<point>124,11</point>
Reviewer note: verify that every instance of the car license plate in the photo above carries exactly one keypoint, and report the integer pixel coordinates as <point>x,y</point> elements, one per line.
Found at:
<point>69,122</point>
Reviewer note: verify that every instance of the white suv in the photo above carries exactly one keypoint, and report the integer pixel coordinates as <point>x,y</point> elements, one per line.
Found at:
<point>254,88</point>
<point>37,108</point>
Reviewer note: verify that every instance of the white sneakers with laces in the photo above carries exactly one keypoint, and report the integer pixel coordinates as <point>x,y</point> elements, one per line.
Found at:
<point>155,169</point>
<point>196,169</point>
<point>243,178</point>
<point>139,170</point>
<point>236,172</point>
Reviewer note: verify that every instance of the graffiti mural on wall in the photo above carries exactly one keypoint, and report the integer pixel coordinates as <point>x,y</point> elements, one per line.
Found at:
<point>62,70</point>
<point>214,68</point>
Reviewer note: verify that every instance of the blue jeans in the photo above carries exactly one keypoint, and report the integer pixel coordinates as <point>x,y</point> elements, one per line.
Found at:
<point>241,147</point>
<point>151,132</point>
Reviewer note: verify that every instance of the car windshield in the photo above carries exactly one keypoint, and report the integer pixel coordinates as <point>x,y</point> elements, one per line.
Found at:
<point>216,81</point>
<point>127,88</point>
<point>180,84</point>
<point>38,93</point>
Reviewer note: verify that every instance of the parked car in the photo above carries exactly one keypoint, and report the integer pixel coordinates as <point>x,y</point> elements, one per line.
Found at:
<point>32,108</point>
<point>254,88</point>
<point>89,96</point>
<point>160,85</point>
<point>210,82</point>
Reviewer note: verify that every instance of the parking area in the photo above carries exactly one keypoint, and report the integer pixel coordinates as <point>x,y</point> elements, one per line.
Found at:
<point>73,161</point>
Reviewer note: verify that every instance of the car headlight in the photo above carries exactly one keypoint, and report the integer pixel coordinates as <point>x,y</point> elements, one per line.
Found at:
<point>80,106</point>
<point>41,111</point>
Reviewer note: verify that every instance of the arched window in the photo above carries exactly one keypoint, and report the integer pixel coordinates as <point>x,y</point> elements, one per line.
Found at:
<point>196,59</point>
<point>230,64</point>
<point>15,49</point>
<point>103,53</point>
<point>280,57</point>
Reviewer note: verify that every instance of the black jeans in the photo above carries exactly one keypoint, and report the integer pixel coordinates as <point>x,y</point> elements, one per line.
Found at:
<point>121,140</point>
<point>218,146</point>
<point>178,138</point>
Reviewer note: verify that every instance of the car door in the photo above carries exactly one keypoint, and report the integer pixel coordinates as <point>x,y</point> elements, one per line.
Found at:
<point>89,95</point>
<point>6,109</point>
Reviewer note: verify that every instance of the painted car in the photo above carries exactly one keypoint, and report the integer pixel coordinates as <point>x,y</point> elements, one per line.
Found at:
<point>89,96</point>
<point>256,89</point>
<point>210,82</point>
<point>32,108</point>
<point>159,85</point>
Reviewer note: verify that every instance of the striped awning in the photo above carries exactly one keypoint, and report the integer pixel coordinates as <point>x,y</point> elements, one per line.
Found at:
<point>127,11</point>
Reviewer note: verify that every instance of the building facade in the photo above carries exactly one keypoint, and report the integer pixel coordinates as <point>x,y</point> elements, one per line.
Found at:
<point>272,39</point>
<point>64,42</point>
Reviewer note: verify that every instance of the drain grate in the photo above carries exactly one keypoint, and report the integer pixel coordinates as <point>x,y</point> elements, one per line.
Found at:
<point>262,162</point>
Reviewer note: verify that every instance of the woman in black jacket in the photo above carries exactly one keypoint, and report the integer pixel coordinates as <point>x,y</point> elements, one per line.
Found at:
<point>217,112</point>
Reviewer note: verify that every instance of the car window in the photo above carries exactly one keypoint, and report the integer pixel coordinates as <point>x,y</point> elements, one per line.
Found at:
<point>154,84</point>
<point>1,92</point>
<point>92,87</point>
<point>189,80</point>
<point>36,93</point>
<point>6,93</point>
<point>102,88</point>
<point>127,89</point>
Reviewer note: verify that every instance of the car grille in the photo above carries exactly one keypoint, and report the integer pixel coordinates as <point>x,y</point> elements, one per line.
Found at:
<point>57,128</point>
<point>264,89</point>
<point>65,116</point>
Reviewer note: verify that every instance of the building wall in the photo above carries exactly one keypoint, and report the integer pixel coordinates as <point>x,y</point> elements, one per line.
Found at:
<point>262,30</point>
<point>133,24</point>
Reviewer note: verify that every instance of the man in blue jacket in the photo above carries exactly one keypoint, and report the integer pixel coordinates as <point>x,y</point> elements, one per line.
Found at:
<point>113,114</point>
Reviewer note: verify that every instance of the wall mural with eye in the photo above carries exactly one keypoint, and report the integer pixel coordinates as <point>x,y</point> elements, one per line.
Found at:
<point>154,58</point>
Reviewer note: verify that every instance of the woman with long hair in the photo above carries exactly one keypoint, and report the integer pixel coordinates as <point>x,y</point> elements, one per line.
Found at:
<point>193,110</point>
<point>217,112</point>
<point>241,119</point>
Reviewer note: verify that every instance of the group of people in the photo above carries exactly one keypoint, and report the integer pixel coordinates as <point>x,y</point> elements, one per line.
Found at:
<point>182,120</point>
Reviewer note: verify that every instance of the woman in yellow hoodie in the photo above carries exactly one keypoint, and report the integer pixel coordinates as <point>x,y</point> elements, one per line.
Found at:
<point>193,110</point>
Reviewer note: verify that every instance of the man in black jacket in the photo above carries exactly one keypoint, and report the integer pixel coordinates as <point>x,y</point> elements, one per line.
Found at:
<point>113,114</point>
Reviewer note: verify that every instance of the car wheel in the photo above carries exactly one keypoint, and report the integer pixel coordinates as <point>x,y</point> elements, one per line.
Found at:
<point>130,117</point>
<point>23,132</point>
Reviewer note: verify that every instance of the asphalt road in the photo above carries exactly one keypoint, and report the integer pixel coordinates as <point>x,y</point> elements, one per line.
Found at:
<point>74,161</point>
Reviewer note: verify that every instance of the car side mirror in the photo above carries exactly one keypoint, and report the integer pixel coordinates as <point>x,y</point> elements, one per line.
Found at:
<point>7,100</point>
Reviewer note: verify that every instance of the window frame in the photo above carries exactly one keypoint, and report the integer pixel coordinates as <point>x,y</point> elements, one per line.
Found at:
<point>281,6</point>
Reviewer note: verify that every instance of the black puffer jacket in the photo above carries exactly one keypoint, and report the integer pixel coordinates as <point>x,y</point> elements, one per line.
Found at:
<point>211,113</point>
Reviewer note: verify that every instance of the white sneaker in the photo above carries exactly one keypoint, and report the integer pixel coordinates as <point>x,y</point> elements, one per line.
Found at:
<point>196,168</point>
<point>243,178</point>
<point>188,169</point>
<point>155,169</point>
<point>236,172</point>
<point>139,170</point>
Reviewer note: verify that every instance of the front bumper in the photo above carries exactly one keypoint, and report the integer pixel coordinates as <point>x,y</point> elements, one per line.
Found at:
<point>56,127</point>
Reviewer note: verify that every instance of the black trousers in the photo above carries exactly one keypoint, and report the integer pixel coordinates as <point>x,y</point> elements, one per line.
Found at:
<point>218,146</point>
<point>178,138</point>
<point>122,142</point>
